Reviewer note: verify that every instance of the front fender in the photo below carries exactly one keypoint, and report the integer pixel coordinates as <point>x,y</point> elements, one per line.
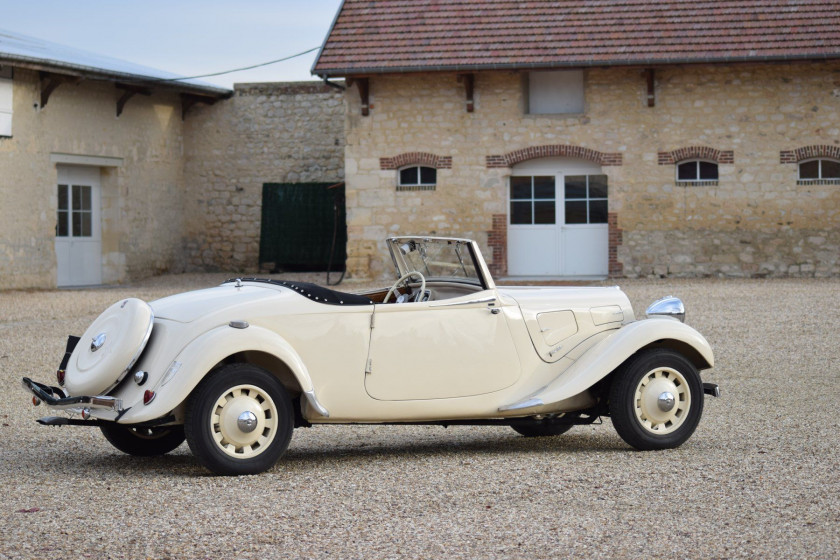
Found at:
<point>600,360</point>
<point>204,352</point>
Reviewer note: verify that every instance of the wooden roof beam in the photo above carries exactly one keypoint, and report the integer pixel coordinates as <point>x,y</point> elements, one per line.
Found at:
<point>188,100</point>
<point>363,85</point>
<point>129,92</point>
<point>469,90</point>
<point>50,82</point>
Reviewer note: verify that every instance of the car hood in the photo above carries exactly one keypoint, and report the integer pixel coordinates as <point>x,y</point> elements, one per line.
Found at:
<point>189,306</point>
<point>560,318</point>
<point>551,298</point>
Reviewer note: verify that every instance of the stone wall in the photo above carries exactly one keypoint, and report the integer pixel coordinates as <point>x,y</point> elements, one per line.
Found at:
<point>141,196</point>
<point>267,133</point>
<point>754,221</point>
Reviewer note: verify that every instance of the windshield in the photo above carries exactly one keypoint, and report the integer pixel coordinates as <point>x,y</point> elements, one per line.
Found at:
<point>436,259</point>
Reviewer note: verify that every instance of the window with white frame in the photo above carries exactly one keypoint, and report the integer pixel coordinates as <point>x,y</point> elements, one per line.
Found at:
<point>586,199</point>
<point>555,92</point>
<point>697,171</point>
<point>5,100</point>
<point>417,178</point>
<point>820,169</point>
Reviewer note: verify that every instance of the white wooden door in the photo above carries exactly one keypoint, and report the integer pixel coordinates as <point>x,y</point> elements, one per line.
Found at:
<point>557,220</point>
<point>78,236</point>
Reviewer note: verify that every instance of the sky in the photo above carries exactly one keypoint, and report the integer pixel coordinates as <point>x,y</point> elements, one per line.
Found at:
<point>186,37</point>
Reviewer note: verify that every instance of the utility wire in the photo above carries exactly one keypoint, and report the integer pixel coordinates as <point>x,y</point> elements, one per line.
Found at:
<point>239,69</point>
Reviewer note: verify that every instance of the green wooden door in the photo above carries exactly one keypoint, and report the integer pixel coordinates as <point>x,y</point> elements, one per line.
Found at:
<point>300,222</point>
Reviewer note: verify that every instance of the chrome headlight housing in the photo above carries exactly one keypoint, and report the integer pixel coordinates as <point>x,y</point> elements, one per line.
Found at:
<point>668,306</point>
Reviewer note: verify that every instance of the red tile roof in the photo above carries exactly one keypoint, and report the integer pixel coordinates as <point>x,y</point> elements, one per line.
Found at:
<point>420,35</point>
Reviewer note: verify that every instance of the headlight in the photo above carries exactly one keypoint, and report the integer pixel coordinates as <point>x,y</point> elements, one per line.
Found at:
<point>669,306</point>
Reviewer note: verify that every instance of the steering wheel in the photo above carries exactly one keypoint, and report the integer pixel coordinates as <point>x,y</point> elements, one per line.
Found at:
<point>403,278</point>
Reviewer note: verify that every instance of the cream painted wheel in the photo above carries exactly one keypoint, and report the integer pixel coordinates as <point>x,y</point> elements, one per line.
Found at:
<point>244,421</point>
<point>662,400</point>
<point>239,420</point>
<point>656,399</point>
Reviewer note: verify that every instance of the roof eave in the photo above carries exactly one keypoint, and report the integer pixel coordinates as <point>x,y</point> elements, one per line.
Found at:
<point>93,73</point>
<point>359,71</point>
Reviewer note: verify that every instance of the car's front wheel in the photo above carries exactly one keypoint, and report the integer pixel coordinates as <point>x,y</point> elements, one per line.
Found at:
<point>143,442</point>
<point>239,420</point>
<point>656,400</point>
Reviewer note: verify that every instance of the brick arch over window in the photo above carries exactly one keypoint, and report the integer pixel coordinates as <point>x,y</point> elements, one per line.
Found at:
<point>557,150</point>
<point>416,158</point>
<point>696,152</point>
<point>808,152</point>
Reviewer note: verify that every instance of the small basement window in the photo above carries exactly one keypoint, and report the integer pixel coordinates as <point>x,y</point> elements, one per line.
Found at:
<point>697,172</point>
<point>555,93</point>
<point>825,171</point>
<point>417,178</point>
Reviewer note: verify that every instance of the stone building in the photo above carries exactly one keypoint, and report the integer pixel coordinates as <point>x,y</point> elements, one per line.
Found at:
<point>91,165</point>
<point>631,138</point>
<point>111,172</point>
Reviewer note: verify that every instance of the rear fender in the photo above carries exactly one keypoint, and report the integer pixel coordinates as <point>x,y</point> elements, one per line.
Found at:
<point>199,356</point>
<point>603,358</point>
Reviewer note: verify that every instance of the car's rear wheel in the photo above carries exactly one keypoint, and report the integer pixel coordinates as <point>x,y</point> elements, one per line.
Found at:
<point>143,442</point>
<point>656,400</point>
<point>540,428</point>
<point>239,420</point>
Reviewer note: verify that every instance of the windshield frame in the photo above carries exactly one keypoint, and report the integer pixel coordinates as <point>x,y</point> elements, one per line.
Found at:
<point>466,249</point>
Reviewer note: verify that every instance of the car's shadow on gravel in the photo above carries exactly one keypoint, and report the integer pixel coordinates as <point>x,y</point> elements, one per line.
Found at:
<point>315,453</point>
<point>482,445</point>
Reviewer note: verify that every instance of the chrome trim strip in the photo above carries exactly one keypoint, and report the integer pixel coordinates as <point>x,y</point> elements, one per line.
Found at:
<point>313,402</point>
<point>48,396</point>
<point>490,299</point>
<point>530,403</point>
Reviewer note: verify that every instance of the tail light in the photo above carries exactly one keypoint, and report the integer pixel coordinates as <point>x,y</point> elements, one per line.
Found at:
<point>148,397</point>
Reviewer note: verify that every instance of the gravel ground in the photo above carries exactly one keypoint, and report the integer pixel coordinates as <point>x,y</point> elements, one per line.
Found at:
<point>759,478</point>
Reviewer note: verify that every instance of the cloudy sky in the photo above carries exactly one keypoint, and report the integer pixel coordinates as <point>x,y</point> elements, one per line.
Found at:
<point>187,37</point>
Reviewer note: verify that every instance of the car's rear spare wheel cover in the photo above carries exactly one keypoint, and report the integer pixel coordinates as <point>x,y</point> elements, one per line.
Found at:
<point>109,348</point>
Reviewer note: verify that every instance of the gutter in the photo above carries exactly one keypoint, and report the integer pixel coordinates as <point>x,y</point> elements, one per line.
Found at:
<point>349,71</point>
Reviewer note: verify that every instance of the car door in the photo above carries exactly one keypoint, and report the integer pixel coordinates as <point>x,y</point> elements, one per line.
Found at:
<point>459,347</point>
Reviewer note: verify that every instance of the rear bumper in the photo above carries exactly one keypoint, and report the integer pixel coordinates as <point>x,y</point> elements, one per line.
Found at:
<point>56,398</point>
<point>711,389</point>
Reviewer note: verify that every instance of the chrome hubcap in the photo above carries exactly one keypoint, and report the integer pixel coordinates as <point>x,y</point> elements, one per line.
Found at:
<point>247,421</point>
<point>666,401</point>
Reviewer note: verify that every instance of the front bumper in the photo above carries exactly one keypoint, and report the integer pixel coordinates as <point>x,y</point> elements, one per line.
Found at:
<point>56,398</point>
<point>711,389</point>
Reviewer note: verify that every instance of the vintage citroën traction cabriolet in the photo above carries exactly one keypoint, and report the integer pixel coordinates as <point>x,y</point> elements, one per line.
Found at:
<point>235,368</point>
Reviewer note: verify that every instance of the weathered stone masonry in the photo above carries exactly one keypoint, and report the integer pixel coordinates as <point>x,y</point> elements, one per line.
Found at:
<point>755,120</point>
<point>267,133</point>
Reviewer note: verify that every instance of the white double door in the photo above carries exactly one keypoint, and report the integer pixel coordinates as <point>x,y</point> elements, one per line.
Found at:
<point>557,219</point>
<point>78,232</point>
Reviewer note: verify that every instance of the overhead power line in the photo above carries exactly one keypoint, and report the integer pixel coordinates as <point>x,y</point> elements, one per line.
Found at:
<point>240,69</point>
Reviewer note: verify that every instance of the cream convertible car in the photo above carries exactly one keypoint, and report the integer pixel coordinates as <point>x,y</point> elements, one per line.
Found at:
<point>233,369</point>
